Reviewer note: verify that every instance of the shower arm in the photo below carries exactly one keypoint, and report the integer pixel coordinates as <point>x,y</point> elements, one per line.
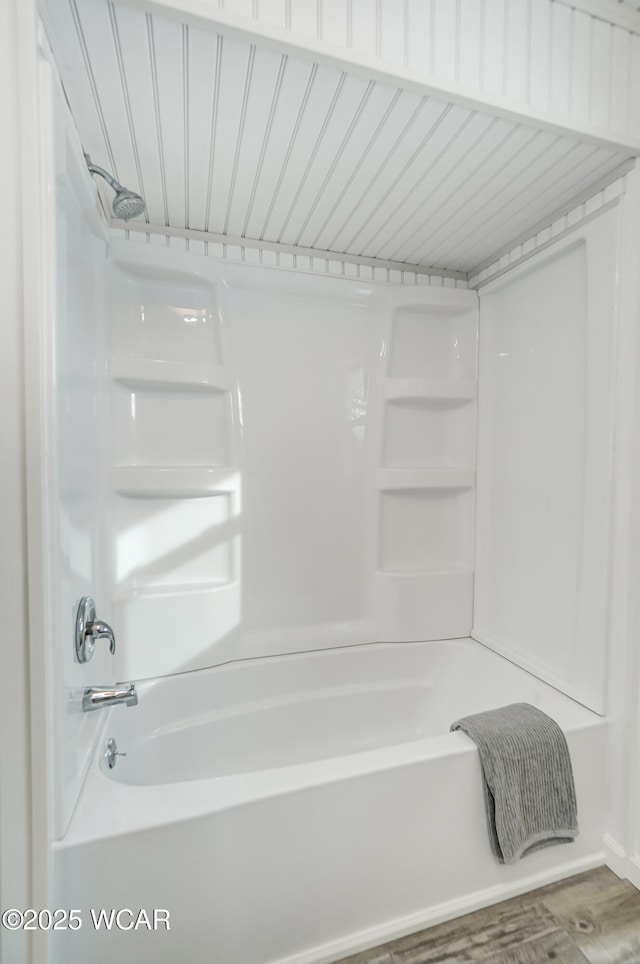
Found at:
<point>111,181</point>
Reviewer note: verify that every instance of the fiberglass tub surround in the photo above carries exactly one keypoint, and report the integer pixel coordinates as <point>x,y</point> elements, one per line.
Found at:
<point>322,788</point>
<point>295,527</point>
<point>333,412</point>
<point>267,780</point>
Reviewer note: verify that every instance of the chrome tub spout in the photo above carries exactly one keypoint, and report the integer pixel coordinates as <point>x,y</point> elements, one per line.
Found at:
<point>96,696</point>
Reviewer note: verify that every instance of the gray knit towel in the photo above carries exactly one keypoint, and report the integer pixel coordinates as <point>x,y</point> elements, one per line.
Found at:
<point>529,793</point>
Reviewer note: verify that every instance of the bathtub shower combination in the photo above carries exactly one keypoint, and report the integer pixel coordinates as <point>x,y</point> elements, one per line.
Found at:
<point>342,365</point>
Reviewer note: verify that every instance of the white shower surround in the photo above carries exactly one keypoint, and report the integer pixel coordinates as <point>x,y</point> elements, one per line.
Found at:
<point>295,809</point>
<point>182,809</point>
<point>292,460</point>
<point>86,842</point>
<point>548,360</point>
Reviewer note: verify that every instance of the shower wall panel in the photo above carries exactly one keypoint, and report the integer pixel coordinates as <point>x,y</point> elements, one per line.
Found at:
<point>74,461</point>
<point>304,368</point>
<point>292,460</point>
<point>545,446</point>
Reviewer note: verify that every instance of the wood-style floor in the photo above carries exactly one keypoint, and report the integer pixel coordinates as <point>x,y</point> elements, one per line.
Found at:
<point>594,918</point>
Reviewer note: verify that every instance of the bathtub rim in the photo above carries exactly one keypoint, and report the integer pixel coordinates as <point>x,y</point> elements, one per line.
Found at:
<point>110,808</point>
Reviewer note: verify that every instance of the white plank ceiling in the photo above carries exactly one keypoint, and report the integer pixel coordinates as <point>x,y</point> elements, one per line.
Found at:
<point>235,138</point>
<point>628,6</point>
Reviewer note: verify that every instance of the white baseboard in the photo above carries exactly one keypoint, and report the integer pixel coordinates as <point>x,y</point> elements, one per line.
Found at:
<point>400,927</point>
<point>615,857</point>
<point>618,860</point>
<point>633,871</point>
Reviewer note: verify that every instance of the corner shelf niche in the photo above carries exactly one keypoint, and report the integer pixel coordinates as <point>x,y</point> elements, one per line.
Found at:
<point>412,606</point>
<point>175,487</point>
<point>173,482</point>
<point>429,389</point>
<point>392,479</point>
<point>428,431</point>
<point>184,376</point>
<point>426,530</point>
<point>173,629</point>
<point>423,583</point>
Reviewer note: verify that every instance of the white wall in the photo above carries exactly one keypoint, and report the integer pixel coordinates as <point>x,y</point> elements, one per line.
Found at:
<point>624,790</point>
<point>623,779</point>
<point>545,441</point>
<point>16,881</point>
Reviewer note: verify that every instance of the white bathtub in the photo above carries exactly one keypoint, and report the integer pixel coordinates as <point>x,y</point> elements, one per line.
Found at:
<point>299,808</point>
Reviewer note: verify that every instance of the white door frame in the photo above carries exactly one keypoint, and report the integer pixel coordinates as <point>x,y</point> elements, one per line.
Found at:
<point>24,834</point>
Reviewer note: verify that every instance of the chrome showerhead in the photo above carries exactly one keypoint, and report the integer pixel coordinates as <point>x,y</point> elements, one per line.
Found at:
<point>126,204</point>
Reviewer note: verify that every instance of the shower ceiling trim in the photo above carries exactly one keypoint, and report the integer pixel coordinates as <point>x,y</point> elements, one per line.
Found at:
<point>624,13</point>
<point>297,250</point>
<point>595,193</point>
<point>281,169</point>
<point>560,229</point>
<point>248,254</point>
<point>606,197</point>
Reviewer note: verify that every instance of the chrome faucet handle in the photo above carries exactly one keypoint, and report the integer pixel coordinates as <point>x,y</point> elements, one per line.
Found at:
<point>89,630</point>
<point>101,630</point>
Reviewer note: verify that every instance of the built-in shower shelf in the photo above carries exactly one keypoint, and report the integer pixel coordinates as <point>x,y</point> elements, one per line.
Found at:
<point>429,389</point>
<point>410,604</point>
<point>179,482</point>
<point>417,575</point>
<point>176,628</point>
<point>184,376</point>
<point>180,589</point>
<point>433,478</point>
